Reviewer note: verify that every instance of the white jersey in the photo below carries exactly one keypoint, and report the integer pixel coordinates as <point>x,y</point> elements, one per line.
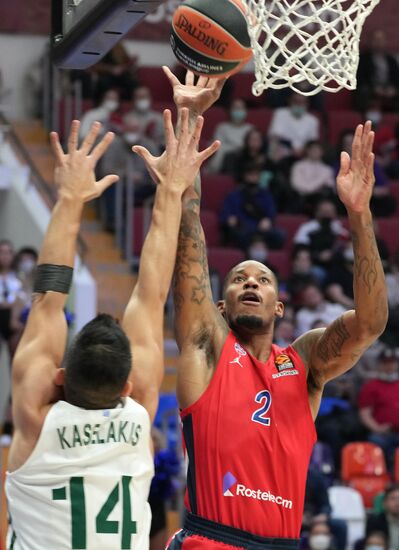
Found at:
<point>86,483</point>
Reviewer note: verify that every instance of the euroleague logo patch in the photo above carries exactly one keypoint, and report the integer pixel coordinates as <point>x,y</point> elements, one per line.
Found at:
<point>284,365</point>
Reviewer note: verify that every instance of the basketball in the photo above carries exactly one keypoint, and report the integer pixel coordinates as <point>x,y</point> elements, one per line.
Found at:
<point>210,37</point>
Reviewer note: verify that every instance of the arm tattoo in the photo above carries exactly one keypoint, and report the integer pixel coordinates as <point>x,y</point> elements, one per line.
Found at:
<point>330,345</point>
<point>366,266</point>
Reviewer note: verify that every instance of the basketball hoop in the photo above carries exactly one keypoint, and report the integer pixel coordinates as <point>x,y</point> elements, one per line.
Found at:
<point>307,45</point>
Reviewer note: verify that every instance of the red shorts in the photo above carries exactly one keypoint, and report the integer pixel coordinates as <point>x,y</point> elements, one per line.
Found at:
<point>199,533</point>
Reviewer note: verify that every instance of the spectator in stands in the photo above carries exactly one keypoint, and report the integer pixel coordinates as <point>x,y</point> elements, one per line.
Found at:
<point>378,74</point>
<point>250,211</point>
<point>388,521</point>
<point>317,509</point>
<point>253,153</point>
<point>376,540</point>
<point>303,273</point>
<point>294,125</point>
<point>258,249</point>
<point>25,265</point>
<point>314,307</point>
<point>320,537</point>
<point>311,178</point>
<point>231,134</point>
<point>339,282</point>
<point>379,404</point>
<point>284,332</point>
<point>117,69</point>
<point>107,105</point>
<point>323,234</point>
<point>150,121</point>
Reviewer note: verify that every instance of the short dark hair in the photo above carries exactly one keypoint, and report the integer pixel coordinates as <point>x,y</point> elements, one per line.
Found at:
<point>391,489</point>
<point>97,364</point>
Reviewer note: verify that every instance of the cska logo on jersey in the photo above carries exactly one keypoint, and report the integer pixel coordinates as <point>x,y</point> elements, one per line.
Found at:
<point>283,362</point>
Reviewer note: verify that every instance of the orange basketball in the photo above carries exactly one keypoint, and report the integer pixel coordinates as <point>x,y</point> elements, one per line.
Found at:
<point>210,37</point>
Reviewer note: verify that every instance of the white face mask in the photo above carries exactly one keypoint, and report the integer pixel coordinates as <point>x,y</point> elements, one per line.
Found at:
<point>132,137</point>
<point>320,542</point>
<point>143,105</point>
<point>110,105</point>
<point>374,547</point>
<point>257,254</point>
<point>27,266</point>
<point>374,116</point>
<point>388,377</point>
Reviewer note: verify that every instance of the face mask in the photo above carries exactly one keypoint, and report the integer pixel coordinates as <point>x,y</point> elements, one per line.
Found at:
<point>238,115</point>
<point>110,105</point>
<point>258,254</point>
<point>143,105</point>
<point>349,255</point>
<point>298,110</point>
<point>325,222</point>
<point>374,116</point>
<point>374,547</point>
<point>27,266</point>
<point>388,377</point>
<point>132,137</point>
<point>319,542</point>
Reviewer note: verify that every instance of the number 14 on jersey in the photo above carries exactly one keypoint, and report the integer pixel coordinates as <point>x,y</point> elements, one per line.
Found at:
<point>126,527</point>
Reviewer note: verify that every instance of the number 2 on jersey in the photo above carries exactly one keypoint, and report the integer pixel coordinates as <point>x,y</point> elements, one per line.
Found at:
<point>103,524</point>
<point>258,415</point>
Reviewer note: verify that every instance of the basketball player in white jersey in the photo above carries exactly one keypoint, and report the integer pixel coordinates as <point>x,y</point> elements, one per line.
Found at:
<point>81,463</point>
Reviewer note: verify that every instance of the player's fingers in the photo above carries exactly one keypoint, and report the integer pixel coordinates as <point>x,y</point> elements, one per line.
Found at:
<point>209,151</point>
<point>91,137</point>
<point>370,142</point>
<point>73,136</point>
<point>170,137</point>
<point>370,167</point>
<point>196,133</point>
<point>345,164</point>
<point>357,143</point>
<point>171,77</point>
<point>202,82</point>
<point>144,154</point>
<point>218,83</point>
<point>56,147</point>
<point>189,78</point>
<point>184,132</point>
<point>106,182</point>
<point>100,149</point>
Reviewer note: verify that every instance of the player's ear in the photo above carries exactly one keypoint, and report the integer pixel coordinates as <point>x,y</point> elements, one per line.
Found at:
<point>127,389</point>
<point>59,378</point>
<point>279,311</point>
<point>220,304</point>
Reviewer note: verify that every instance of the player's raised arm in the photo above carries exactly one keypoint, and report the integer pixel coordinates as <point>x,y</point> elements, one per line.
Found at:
<point>174,172</point>
<point>198,323</point>
<point>332,351</point>
<point>41,349</point>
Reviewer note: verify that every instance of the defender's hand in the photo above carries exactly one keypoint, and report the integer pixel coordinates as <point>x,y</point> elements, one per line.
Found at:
<point>74,171</point>
<point>196,97</point>
<point>355,180</point>
<point>178,166</point>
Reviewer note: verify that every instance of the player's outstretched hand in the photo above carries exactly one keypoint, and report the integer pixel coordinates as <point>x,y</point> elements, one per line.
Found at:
<point>196,97</point>
<point>74,171</point>
<point>355,180</point>
<point>179,165</point>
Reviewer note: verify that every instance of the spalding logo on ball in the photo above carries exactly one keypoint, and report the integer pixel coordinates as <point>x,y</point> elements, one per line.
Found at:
<point>210,37</point>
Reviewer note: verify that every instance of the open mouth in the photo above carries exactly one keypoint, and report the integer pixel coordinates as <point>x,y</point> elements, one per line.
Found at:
<point>250,298</point>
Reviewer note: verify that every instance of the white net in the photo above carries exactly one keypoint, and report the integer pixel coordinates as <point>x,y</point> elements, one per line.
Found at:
<point>307,45</point>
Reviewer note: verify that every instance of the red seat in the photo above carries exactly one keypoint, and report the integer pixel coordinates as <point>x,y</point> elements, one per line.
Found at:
<point>396,467</point>
<point>215,188</point>
<point>339,121</point>
<point>290,224</point>
<point>213,118</point>
<point>280,261</point>
<point>362,459</point>
<point>260,118</point>
<point>156,80</point>
<point>364,469</point>
<point>394,190</point>
<point>389,232</point>
<point>223,259</point>
<point>242,87</point>
<point>210,224</point>
<point>339,101</point>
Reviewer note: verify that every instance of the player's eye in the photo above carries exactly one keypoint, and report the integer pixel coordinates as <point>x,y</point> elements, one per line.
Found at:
<point>264,280</point>
<point>239,279</point>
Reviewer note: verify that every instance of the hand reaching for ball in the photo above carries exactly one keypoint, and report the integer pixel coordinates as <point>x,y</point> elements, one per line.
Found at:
<point>195,97</point>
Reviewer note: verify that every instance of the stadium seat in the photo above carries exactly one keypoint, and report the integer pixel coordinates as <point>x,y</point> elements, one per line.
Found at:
<point>369,488</point>
<point>260,118</point>
<point>346,504</point>
<point>396,470</point>
<point>215,188</point>
<point>338,121</point>
<point>223,259</point>
<point>210,224</point>
<point>290,223</point>
<point>280,260</point>
<point>362,459</point>
<point>155,79</point>
<point>139,229</point>
<point>338,101</point>
<point>389,231</point>
<point>242,88</point>
<point>213,118</point>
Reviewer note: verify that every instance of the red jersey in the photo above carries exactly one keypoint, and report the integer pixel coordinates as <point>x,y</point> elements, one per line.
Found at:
<point>249,438</point>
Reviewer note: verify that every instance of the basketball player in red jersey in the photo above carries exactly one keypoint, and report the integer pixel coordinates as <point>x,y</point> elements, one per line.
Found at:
<point>248,406</point>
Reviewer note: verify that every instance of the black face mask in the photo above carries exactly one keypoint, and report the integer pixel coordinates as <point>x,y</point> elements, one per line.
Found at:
<point>325,222</point>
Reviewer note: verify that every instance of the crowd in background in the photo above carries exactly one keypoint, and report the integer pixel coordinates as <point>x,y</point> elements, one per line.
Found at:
<point>287,168</point>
